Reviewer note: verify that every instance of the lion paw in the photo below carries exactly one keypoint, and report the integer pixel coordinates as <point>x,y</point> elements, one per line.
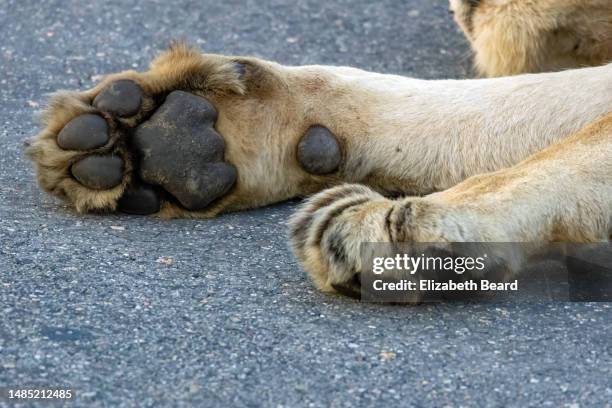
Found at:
<point>138,142</point>
<point>329,232</point>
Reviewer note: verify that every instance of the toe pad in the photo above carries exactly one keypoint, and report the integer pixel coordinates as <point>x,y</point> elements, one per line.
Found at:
<point>84,132</point>
<point>99,172</point>
<point>140,200</point>
<point>122,98</point>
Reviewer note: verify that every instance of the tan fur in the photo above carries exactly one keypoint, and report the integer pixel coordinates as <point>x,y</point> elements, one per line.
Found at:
<point>511,37</point>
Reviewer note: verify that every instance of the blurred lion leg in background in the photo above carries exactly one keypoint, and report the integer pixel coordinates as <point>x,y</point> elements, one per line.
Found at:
<point>511,37</point>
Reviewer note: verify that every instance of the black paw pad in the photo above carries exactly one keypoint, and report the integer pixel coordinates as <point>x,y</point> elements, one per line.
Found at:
<point>181,152</point>
<point>99,172</point>
<point>84,132</point>
<point>122,98</point>
<point>319,151</point>
<point>140,200</point>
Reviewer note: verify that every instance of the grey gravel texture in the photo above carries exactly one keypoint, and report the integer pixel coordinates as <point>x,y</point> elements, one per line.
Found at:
<point>134,311</point>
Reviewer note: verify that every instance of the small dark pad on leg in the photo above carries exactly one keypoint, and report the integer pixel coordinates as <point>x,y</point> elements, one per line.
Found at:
<point>181,151</point>
<point>140,200</point>
<point>319,151</point>
<point>99,172</point>
<point>84,132</point>
<point>122,98</point>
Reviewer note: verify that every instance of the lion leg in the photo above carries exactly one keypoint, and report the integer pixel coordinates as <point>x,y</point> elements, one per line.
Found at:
<point>201,134</point>
<point>195,135</point>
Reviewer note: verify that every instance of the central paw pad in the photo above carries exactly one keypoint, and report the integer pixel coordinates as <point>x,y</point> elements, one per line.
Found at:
<point>181,151</point>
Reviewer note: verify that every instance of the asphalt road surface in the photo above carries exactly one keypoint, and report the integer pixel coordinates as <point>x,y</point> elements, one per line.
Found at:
<point>134,311</point>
